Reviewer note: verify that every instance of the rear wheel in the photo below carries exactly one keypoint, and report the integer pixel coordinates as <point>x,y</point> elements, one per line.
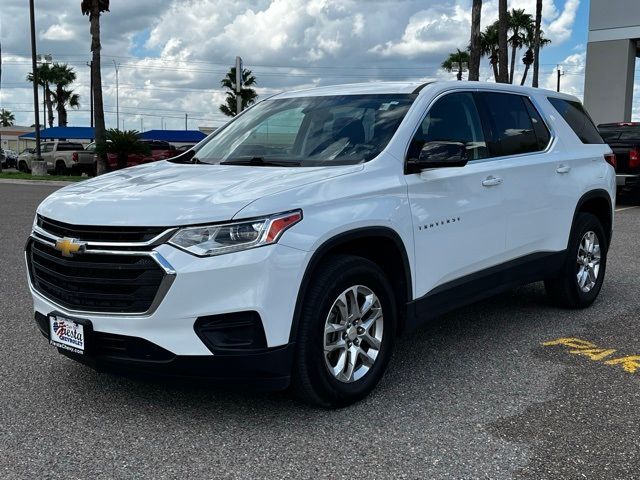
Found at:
<point>22,166</point>
<point>582,275</point>
<point>346,332</point>
<point>61,168</point>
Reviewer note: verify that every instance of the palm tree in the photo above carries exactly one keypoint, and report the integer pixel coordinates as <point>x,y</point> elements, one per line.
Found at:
<point>456,61</point>
<point>7,118</point>
<point>248,95</point>
<point>489,46</point>
<point>93,8</point>
<point>63,98</point>
<point>123,144</point>
<point>536,43</point>
<point>45,78</point>
<point>475,45</point>
<point>529,56</point>
<point>63,76</point>
<point>503,55</point>
<point>519,24</point>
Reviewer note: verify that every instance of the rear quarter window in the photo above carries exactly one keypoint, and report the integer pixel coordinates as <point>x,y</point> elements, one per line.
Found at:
<point>578,119</point>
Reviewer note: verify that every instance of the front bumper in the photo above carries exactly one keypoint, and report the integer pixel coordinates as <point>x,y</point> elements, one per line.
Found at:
<point>264,280</point>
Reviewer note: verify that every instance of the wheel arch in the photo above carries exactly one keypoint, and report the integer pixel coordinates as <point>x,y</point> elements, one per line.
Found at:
<point>362,242</point>
<point>598,203</point>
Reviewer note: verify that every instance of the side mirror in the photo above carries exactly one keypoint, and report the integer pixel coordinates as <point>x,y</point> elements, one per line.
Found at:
<point>437,155</point>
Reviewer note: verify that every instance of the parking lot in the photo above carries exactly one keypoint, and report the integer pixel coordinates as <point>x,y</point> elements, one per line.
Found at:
<point>474,394</point>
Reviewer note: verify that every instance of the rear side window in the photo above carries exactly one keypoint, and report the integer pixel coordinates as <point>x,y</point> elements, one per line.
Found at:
<point>578,119</point>
<point>511,125</point>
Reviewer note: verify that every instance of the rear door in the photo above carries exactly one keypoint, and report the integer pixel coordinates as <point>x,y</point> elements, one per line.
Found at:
<point>521,140</point>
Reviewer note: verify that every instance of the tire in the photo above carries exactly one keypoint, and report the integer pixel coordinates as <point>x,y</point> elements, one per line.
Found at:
<point>566,290</point>
<point>61,168</point>
<point>22,167</point>
<point>353,277</point>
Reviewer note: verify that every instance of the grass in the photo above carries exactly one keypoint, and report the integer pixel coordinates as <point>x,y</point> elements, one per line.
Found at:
<point>28,176</point>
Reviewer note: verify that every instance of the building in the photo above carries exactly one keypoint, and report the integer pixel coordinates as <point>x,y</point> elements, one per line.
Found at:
<point>613,45</point>
<point>10,138</point>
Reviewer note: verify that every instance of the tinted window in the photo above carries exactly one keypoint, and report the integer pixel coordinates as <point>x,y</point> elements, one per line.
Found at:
<point>539,127</point>
<point>578,119</point>
<point>511,124</point>
<point>630,135</point>
<point>453,118</point>
<point>67,147</point>
<point>609,134</point>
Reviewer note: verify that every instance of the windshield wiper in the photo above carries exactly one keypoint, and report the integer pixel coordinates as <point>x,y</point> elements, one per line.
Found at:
<point>261,162</point>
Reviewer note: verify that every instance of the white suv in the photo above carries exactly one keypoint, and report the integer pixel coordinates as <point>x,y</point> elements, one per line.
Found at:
<point>295,243</point>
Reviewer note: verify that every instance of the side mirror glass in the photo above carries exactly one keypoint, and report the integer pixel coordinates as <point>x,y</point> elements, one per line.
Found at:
<point>437,155</point>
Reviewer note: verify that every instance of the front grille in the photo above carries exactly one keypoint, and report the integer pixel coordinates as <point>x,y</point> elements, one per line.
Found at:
<point>94,282</point>
<point>90,233</point>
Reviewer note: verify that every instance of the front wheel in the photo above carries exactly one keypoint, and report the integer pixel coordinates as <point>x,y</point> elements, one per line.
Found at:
<point>582,275</point>
<point>346,332</point>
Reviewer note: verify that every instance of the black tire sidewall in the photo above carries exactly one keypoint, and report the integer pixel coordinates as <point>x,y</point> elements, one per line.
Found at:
<point>351,271</point>
<point>585,223</point>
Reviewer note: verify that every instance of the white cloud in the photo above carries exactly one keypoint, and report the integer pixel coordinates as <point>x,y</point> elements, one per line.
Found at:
<point>58,32</point>
<point>559,30</point>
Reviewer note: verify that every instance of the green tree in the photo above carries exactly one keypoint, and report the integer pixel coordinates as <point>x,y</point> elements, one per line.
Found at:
<point>45,78</point>
<point>248,94</point>
<point>536,43</point>
<point>475,44</point>
<point>63,76</point>
<point>7,118</point>
<point>455,62</point>
<point>520,24</point>
<point>94,8</point>
<point>489,46</point>
<point>122,144</point>
<point>529,55</point>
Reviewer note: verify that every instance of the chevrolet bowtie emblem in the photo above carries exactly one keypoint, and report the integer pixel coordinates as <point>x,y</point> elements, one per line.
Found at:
<point>69,246</point>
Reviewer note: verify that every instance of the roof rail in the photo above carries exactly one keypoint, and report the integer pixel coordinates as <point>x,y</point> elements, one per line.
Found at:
<point>420,87</point>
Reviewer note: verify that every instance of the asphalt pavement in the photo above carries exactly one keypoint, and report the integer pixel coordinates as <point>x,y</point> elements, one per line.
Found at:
<point>474,394</point>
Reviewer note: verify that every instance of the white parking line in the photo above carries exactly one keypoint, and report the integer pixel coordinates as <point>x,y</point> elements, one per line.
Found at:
<point>625,208</point>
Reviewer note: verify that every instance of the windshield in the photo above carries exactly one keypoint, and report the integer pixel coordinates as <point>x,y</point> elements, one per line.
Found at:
<point>309,131</point>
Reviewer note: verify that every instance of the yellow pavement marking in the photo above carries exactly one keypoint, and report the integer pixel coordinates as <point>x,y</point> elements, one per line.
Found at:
<point>629,364</point>
<point>625,208</point>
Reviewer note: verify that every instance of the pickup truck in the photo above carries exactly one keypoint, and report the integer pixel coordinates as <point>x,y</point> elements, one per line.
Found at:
<point>624,140</point>
<point>61,157</point>
<point>158,150</point>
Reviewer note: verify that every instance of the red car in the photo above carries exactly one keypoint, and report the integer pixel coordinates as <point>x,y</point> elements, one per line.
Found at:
<point>159,151</point>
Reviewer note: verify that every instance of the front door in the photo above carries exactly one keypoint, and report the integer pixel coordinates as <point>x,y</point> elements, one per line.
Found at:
<point>459,228</point>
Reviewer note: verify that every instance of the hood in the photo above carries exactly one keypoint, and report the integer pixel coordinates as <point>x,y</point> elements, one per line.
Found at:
<point>168,194</point>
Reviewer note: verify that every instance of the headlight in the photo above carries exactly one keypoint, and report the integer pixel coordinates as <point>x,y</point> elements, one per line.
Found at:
<point>209,240</point>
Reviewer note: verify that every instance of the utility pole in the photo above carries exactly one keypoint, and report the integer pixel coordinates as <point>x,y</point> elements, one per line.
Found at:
<point>141,124</point>
<point>161,123</point>
<point>186,119</point>
<point>559,75</point>
<point>238,85</point>
<point>90,65</point>
<point>116,66</point>
<point>35,79</point>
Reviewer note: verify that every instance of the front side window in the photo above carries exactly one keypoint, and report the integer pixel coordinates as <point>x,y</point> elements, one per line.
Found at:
<point>309,131</point>
<point>47,147</point>
<point>453,118</point>
<point>578,119</point>
<point>511,124</point>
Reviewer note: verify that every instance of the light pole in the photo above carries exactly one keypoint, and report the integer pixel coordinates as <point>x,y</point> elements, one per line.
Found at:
<point>117,66</point>
<point>238,85</point>
<point>34,65</point>
<point>90,65</point>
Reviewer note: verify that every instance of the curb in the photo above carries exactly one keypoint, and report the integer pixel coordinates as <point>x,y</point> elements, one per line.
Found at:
<point>51,183</point>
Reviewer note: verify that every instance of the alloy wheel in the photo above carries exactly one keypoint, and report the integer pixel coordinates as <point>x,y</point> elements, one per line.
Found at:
<point>588,261</point>
<point>353,333</point>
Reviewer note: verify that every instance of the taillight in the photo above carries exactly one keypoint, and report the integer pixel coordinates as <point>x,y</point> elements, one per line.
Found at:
<point>610,158</point>
<point>634,157</point>
<point>74,157</point>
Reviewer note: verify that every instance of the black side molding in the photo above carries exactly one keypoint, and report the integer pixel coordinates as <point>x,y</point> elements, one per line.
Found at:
<point>477,286</point>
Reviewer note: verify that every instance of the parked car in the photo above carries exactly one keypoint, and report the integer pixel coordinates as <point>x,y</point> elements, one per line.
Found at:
<point>624,140</point>
<point>184,148</point>
<point>3,158</point>
<point>25,158</point>
<point>60,156</point>
<point>300,239</point>
<point>10,159</point>
<point>158,150</point>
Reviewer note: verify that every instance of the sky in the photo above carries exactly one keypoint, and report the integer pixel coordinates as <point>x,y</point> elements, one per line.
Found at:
<point>172,54</point>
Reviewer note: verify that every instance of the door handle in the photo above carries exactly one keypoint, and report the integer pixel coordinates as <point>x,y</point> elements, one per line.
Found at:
<point>563,168</point>
<point>491,181</point>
